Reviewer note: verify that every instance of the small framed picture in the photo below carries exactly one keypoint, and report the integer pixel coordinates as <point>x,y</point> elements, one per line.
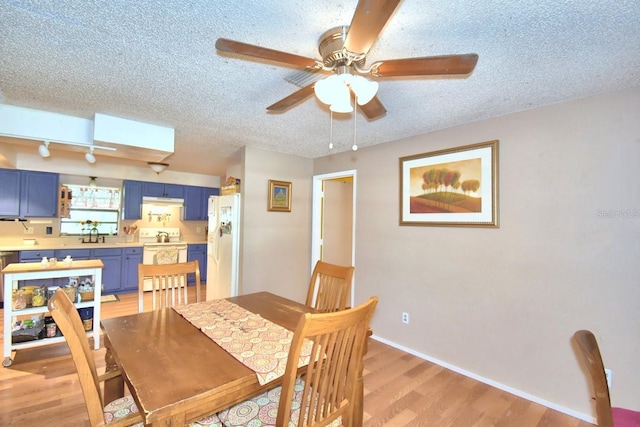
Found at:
<point>279,196</point>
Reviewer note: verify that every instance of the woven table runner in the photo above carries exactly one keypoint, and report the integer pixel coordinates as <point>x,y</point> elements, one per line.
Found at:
<point>259,344</point>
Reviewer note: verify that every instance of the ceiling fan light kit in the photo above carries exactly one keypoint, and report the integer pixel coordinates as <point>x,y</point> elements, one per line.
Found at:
<point>344,52</point>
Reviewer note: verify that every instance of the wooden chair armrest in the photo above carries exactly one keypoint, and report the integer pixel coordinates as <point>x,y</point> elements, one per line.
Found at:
<point>109,375</point>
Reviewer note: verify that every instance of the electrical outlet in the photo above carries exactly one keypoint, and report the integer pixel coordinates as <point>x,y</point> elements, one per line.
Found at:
<point>609,374</point>
<point>28,230</point>
<point>405,318</point>
<point>198,229</point>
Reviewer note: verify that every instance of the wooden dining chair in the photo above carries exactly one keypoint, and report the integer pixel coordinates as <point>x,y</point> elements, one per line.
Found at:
<point>329,287</point>
<point>168,284</point>
<point>120,412</point>
<point>329,391</point>
<point>606,415</point>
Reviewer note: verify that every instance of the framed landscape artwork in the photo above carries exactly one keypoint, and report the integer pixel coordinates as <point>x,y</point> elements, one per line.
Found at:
<point>452,187</point>
<point>279,196</point>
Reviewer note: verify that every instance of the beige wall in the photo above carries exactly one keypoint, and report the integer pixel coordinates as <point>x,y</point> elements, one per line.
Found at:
<point>276,245</point>
<point>337,222</point>
<point>502,304</point>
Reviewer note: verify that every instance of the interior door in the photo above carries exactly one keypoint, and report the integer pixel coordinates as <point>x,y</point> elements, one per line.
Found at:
<point>333,220</point>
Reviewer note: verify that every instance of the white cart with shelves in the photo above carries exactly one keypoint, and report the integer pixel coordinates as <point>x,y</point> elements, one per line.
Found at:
<point>13,273</point>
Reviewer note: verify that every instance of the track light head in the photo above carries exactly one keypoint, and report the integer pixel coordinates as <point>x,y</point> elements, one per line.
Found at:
<point>89,157</point>
<point>44,150</point>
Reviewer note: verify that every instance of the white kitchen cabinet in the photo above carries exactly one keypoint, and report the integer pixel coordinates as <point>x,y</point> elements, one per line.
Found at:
<point>13,273</point>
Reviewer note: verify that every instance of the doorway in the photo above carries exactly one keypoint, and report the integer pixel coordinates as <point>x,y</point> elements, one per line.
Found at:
<point>333,220</point>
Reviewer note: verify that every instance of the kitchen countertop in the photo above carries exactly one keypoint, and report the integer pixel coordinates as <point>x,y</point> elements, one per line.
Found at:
<point>11,247</point>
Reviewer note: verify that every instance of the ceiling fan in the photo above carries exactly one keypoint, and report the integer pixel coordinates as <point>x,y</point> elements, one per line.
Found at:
<point>344,53</point>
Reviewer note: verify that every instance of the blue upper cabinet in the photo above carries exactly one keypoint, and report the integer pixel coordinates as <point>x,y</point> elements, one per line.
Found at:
<point>196,202</point>
<point>208,191</point>
<point>132,199</point>
<point>39,194</point>
<point>29,194</point>
<point>157,189</point>
<point>192,203</point>
<point>10,192</point>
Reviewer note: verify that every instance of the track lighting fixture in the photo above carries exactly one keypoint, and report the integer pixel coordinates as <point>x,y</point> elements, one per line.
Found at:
<point>44,150</point>
<point>89,157</point>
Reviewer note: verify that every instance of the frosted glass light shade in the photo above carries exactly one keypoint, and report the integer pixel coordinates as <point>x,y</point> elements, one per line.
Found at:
<point>364,89</point>
<point>330,90</point>
<point>157,167</point>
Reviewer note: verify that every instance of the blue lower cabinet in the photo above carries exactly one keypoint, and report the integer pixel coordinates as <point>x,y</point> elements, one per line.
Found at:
<point>78,254</point>
<point>36,256</point>
<point>112,271</point>
<point>198,251</point>
<point>131,257</point>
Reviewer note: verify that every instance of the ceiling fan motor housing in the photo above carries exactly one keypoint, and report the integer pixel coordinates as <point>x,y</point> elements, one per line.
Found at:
<point>331,48</point>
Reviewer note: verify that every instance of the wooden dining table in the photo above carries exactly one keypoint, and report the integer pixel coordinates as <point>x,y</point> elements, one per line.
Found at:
<point>175,372</point>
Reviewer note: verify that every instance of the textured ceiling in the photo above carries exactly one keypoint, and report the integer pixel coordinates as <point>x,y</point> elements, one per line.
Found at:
<point>158,64</point>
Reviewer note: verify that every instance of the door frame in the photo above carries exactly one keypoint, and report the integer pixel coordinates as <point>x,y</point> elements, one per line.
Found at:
<point>316,216</point>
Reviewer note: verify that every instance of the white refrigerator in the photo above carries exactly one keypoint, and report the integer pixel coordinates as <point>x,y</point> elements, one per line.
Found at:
<point>223,246</point>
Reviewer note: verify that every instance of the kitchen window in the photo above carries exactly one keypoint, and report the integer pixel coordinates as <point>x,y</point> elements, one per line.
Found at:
<point>92,207</point>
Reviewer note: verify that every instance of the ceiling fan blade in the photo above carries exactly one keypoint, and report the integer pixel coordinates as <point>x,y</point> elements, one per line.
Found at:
<point>232,46</point>
<point>291,100</point>
<point>373,109</point>
<point>426,66</point>
<point>367,23</point>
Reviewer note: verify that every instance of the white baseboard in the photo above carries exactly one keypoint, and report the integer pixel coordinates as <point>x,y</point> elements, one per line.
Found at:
<point>519,393</point>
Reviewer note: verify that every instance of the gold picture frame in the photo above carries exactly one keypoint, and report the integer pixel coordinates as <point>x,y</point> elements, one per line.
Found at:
<point>453,187</point>
<point>279,196</point>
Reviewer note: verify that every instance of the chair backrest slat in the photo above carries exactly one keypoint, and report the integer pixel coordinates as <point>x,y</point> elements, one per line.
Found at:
<point>337,341</point>
<point>168,284</point>
<point>329,287</point>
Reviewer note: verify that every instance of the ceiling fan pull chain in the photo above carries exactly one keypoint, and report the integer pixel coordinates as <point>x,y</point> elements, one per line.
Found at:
<point>355,116</point>
<point>330,129</point>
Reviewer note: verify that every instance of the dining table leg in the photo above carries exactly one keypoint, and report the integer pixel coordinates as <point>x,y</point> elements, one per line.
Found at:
<point>113,387</point>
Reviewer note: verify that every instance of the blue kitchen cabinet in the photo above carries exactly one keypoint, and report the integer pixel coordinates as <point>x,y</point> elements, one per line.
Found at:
<point>78,254</point>
<point>196,202</point>
<point>131,257</point>
<point>157,189</point>
<point>29,194</point>
<point>39,194</point>
<point>35,255</point>
<point>208,191</point>
<point>192,203</point>
<point>198,251</point>
<point>10,192</point>
<point>132,199</point>
<point>112,271</point>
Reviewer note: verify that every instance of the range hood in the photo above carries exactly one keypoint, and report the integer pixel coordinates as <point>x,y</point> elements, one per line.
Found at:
<point>162,201</point>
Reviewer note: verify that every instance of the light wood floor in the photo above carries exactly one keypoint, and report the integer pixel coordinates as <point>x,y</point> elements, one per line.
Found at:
<point>41,388</point>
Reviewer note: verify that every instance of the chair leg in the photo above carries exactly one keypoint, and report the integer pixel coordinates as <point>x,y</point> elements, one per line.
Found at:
<point>113,387</point>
